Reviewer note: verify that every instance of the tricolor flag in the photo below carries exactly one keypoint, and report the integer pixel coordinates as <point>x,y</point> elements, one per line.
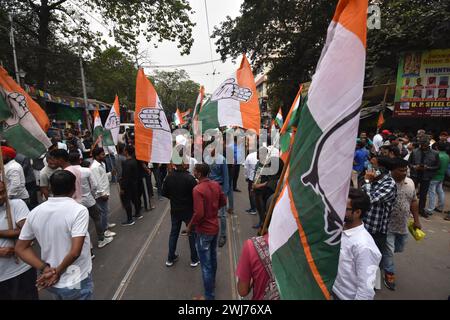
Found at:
<point>153,137</point>
<point>112,124</point>
<point>199,102</point>
<point>289,127</point>
<point>101,137</point>
<point>380,121</point>
<point>279,119</point>
<point>234,103</point>
<point>178,118</point>
<point>23,122</point>
<point>305,230</point>
<point>186,114</point>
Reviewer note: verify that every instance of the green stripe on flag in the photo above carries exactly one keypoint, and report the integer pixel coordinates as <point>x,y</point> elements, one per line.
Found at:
<point>290,259</point>
<point>209,115</point>
<point>5,111</point>
<point>107,138</point>
<point>24,142</point>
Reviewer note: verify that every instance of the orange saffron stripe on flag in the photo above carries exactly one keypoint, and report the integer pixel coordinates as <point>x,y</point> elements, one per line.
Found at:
<point>145,98</point>
<point>352,14</point>
<point>288,118</point>
<point>306,248</point>
<point>251,118</point>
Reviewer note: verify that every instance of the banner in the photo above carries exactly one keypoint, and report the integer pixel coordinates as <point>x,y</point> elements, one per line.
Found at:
<point>423,84</point>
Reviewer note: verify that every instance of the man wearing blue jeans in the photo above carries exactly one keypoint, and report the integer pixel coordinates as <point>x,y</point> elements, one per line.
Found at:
<point>219,173</point>
<point>405,203</point>
<point>208,198</point>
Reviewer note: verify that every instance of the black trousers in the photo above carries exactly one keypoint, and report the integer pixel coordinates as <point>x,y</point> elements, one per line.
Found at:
<point>131,195</point>
<point>251,195</point>
<point>177,221</point>
<point>22,287</point>
<point>423,185</point>
<point>32,189</point>
<point>236,171</point>
<point>96,216</point>
<point>380,241</point>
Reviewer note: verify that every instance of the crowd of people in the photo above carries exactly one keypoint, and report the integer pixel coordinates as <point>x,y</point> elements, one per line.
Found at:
<point>395,177</point>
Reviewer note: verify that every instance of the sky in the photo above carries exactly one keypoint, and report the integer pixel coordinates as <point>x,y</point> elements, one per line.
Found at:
<point>168,54</point>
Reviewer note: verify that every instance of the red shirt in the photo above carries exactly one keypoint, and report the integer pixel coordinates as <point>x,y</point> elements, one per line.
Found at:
<point>208,198</point>
<point>250,268</point>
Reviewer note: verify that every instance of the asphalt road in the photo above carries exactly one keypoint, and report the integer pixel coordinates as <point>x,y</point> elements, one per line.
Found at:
<point>133,265</point>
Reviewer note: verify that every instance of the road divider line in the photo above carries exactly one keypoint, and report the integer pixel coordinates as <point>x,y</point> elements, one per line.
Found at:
<point>137,260</point>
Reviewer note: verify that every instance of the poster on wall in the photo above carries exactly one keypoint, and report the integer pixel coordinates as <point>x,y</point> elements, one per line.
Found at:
<point>423,84</point>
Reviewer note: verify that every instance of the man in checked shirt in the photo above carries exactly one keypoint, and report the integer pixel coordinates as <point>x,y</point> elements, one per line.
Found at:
<point>382,191</point>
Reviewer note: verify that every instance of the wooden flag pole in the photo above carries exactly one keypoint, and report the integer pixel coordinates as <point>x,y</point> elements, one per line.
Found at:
<point>8,207</point>
<point>276,194</point>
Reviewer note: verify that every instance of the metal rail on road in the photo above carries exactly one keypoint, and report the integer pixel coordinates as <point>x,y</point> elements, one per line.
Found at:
<point>233,240</point>
<point>133,267</point>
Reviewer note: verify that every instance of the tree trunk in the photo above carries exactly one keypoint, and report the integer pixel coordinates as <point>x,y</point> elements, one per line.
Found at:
<point>44,34</point>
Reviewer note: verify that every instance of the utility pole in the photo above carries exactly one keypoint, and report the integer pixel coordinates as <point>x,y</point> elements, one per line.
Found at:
<point>13,44</point>
<point>83,82</point>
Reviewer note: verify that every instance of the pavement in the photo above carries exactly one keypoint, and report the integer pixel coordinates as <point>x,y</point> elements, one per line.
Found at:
<point>132,267</point>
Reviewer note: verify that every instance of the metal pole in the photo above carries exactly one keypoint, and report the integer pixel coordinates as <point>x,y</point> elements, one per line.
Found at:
<point>13,44</point>
<point>83,82</point>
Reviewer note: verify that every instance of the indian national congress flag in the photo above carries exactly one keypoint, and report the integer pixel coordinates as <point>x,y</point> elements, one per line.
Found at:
<point>22,120</point>
<point>305,231</point>
<point>234,103</point>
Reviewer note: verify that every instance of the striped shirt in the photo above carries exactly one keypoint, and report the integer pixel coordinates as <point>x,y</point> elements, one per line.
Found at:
<point>382,194</point>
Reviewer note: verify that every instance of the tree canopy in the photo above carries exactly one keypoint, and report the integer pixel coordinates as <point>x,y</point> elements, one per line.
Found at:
<point>47,26</point>
<point>288,35</point>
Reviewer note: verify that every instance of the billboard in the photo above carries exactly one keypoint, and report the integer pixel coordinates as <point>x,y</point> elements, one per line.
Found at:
<point>423,84</point>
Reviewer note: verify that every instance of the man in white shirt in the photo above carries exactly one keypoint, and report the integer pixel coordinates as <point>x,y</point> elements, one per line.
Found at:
<point>98,169</point>
<point>250,166</point>
<point>15,178</point>
<point>17,279</point>
<point>378,139</point>
<point>359,257</point>
<point>88,188</point>
<point>45,174</point>
<point>60,226</point>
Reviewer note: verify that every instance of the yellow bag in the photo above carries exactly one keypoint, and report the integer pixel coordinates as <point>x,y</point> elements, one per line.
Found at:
<point>416,233</point>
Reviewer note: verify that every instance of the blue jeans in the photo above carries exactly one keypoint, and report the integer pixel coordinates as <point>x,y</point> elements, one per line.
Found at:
<point>173,238</point>
<point>435,187</point>
<point>102,206</point>
<point>84,291</point>
<point>207,253</point>
<point>395,242</point>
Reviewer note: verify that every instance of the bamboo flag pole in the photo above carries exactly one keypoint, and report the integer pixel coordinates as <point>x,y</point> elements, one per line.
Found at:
<point>276,194</point>
<point>8,207</point>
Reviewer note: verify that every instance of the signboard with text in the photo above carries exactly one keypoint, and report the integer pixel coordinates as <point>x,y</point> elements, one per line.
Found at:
<point>423,84</point>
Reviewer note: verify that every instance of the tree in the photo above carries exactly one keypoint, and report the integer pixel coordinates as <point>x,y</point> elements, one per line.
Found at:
<point>175,89</point>
<point>285,35</point>
<point>48,22</point>
<point>288,36</point>
<point>112,72</point>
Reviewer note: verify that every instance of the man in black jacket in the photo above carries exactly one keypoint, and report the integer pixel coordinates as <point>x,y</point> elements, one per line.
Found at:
<point>177,187</point>
<point>423,163</point>
<point>129,186</point>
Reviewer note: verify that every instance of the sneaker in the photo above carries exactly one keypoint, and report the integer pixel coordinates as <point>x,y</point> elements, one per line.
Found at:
<point>139,217</point>
<point>128,223</point>
<point>252,212</point>
<point>237,190</point>
<point>170,263</point>
<point>109,234</point>
<point>222,241</point>
<point>104,242</point>
<point>438,210</point>
<point>111,225</point>
<point>92,256</point>
<point>184,233</point>
<point>389,280</point>
<point>424,214</point>
<point>447,217</point>
<point>195,264</point>
<point>248,210</point>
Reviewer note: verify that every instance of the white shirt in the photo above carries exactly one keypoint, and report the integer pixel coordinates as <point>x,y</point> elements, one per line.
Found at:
<point>102,178</point>
<point>15,181</point>
<point>8,267</point>
<point>250,165</point>
<point>377,142</point>
<point>88,186</point>
<point>44,176</point>
<point>62,146</point>
<point>358,263</point>
<point>53,224</point>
